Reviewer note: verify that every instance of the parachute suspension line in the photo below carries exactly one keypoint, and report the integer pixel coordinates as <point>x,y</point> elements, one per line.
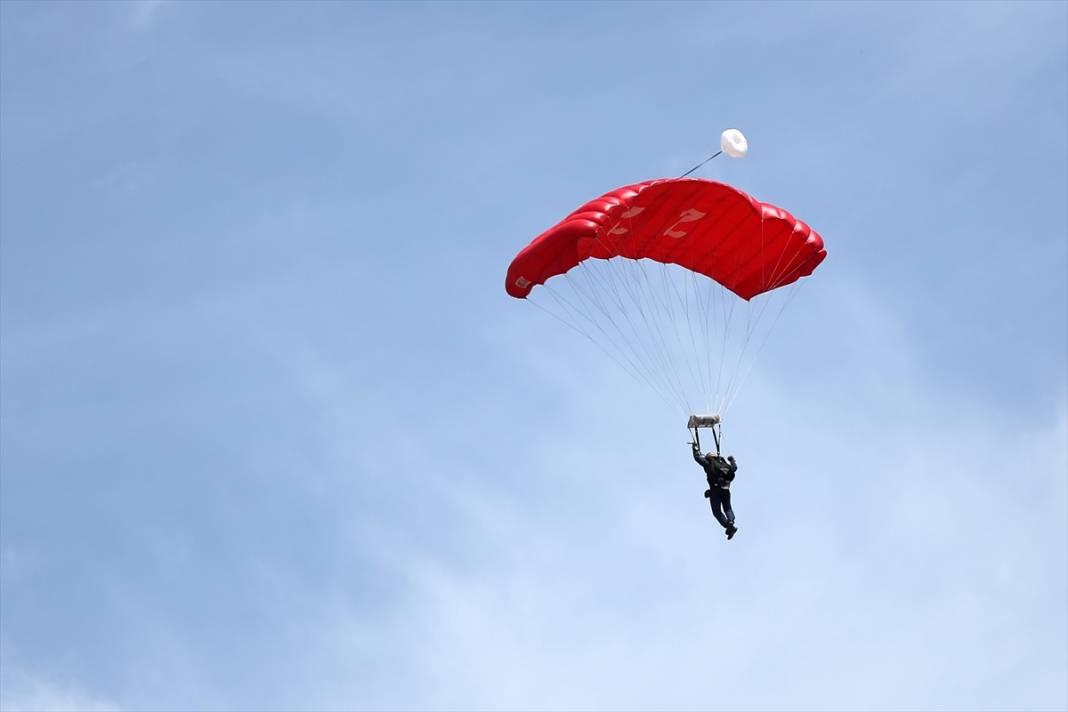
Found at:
<point>793,290</point>
<point>634,283</point>
<point>724,381</point>
<point>579,330</point>
<point>734,385</point>
<point>662,297</point>
<point>663,312</point>
<point>776,276</point>
<point>596,288</point>
<point>702,321</point>
<point>714,301</point>
<point>599,346</point>
<point>620,275</point>
<point>750,324</point>
<point>688,289</point>
<point>786,272</point>
<point>631,279</point>
<point>695,314</point>
<point>716,310</point>
<point>662,293</point>
<point>701,347</point>
<point>727,317</point>
<point>666,312</point>
<point>652,357</point>
<point>714,331</point>
<point>628,283</point>
<point>562,320</point>
<point>666,277</point>
<point>583,293</point>
<point>710,309</point>
<point>586,313</point>
<point>591,301</point>
<point>571,311</point>
<point>735,382</point>
<point>701,164</point>
<point>710,331</point>
<point>649,374</point>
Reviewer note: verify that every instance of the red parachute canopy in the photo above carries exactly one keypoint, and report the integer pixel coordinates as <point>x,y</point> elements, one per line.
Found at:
<point>747,246</point>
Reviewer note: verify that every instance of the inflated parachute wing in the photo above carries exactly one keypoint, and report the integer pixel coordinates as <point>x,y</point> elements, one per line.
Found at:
<point>652,274</point>
<point>710,228</point>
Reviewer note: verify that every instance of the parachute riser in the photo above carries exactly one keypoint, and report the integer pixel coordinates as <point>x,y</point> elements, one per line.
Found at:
<point>712,422</point>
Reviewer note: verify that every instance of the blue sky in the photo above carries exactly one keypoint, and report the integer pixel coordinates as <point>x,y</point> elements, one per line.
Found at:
<point>274,437</point>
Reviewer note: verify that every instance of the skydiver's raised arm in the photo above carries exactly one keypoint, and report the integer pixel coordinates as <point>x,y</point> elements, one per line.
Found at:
<point>698,457</point>
<point>733,464</point>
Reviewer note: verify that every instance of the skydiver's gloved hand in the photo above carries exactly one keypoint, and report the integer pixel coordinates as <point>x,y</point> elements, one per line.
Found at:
<point>731,459</point>
<point>708,493</point>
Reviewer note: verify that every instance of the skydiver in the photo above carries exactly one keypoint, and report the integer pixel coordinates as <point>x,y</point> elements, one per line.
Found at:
<point>720,474</point>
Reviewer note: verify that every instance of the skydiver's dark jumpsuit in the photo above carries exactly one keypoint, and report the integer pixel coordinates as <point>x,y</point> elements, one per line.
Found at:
<point>719,473</point>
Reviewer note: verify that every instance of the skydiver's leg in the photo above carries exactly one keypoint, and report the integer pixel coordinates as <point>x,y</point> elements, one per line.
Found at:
<point>716,502</point>
<point>727,506</point>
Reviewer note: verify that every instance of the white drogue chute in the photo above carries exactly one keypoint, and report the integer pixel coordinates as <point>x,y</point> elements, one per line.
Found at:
<point>733,143</point>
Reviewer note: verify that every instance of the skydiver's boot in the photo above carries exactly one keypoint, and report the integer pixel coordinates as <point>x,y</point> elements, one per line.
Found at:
<point>731,531</point>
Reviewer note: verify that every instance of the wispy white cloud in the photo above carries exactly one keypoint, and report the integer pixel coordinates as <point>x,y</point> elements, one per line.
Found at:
<point>24,692</point>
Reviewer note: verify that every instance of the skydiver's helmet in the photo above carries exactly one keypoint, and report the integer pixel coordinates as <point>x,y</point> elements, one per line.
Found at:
<point>711,455</point>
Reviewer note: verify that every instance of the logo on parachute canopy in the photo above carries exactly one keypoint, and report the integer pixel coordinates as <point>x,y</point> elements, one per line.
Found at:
<point>633,212</point>
<point>688,215</point>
